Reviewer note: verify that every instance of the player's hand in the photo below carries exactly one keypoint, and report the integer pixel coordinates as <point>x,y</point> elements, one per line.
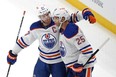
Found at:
<point>74,18</point>
<point>88,15</point>
<point>11,58</point>
<point>77,67</point>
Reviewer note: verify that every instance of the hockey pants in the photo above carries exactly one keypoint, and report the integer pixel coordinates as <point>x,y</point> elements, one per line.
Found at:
<point>44,70</point>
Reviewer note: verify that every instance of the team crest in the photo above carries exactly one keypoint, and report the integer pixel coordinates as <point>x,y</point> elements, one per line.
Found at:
<point>48,40</point>
<point>62,49</point>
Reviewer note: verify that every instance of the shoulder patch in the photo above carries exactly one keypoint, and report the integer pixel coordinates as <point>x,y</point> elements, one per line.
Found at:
<point>39,24</point>
<point>71,30</point>
<point>35,25</point>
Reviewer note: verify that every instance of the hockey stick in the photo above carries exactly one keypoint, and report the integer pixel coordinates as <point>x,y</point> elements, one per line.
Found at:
<point>20,25</point>
<point>17,38</point>
<point>97,50</point>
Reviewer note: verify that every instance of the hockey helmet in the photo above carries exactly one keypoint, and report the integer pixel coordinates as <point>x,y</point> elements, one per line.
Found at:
<point>42,9</point>
<point>60,13</point>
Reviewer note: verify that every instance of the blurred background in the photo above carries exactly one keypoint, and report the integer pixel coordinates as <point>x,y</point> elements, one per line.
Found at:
<point>11,12</point>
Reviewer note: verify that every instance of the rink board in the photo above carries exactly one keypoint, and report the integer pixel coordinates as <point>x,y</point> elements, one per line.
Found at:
<point>100,19</point>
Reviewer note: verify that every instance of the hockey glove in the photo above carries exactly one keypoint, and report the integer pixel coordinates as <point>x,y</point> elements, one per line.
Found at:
<point>87,15</point>
<point>78,69</point>
<point>74,18</point>
<point>11,58</point>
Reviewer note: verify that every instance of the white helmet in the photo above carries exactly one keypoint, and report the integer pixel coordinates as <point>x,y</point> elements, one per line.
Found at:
<point>42,9</point>
<point>61,12</point>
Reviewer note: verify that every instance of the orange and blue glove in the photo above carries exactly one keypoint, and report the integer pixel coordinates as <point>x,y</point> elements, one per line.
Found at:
<point>88,15</point>
<point>78,69</point>
<point>11,58</point>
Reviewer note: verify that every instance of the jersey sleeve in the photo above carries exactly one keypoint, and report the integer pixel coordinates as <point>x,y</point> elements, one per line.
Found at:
<point>79,15</point>
<point>24,42</point>
<point>84,47</point>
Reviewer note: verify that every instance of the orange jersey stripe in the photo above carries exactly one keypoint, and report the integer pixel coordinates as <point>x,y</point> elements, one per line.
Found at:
<point>21,43</point>
<point>88,72</point>
<point>54,55</point>
<point>86,50</point>
<point>93,57</point>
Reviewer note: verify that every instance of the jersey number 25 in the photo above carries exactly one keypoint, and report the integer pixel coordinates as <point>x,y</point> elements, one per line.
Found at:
<point>80,40</point>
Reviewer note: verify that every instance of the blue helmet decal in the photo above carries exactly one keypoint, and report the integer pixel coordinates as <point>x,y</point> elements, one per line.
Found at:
<point>48,40</point>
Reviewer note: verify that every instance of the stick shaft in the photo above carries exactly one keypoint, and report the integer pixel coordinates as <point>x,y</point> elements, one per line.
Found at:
<point>20,25</point>
<point>17,38</point>
<point>97,50</point>
<point>8,70</point>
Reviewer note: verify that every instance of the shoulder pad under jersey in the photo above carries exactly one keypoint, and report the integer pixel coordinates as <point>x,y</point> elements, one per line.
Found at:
<point>71,30</point>
<point>36,25</point>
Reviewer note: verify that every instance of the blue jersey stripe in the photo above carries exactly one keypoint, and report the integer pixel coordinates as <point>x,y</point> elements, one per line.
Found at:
<point>91,61</point>
<point>71,62</point>
<point>88,52</point>
<point>50,58</point>
<point>85,47</point>
<point>24,42</point>
<point>49,52</point>
<point>19,45</point>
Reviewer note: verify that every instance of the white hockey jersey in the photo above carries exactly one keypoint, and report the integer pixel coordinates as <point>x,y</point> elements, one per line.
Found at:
<point>74,47</point>
<point>48,40</point>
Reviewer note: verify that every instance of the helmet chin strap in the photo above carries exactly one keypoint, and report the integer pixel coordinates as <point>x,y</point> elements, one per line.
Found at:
<point>61,24</point>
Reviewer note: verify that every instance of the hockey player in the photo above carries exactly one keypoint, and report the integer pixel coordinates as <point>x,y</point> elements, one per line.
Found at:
<point>74,47</point>
<point>47,33</point>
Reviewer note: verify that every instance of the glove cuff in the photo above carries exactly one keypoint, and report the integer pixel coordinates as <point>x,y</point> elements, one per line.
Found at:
<point>85,10</point>
<point>11,55</point>
<point>77,65</point>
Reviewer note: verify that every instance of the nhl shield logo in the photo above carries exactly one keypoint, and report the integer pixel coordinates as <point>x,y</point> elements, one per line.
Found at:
<point>48,40</point>
<point>62,49</point>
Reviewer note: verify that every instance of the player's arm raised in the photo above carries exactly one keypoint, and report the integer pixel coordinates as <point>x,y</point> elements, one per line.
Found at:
<point>85,14</point>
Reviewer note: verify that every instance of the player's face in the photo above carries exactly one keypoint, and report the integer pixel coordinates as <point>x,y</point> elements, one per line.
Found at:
<point>56,20</point>
<point>46,18</point>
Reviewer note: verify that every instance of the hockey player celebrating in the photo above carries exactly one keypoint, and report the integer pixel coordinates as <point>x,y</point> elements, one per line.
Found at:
<point>74,47</point>
<point>47,33</point>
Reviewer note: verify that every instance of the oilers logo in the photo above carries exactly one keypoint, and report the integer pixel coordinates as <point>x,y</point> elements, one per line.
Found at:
<point>62,49</point>
<point>48,40</point>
